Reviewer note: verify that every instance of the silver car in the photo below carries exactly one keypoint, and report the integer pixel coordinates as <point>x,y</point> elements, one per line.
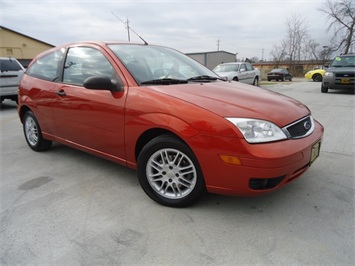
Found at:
<point>340,75</point>
<point>11,72</point>
<point>239,71</point>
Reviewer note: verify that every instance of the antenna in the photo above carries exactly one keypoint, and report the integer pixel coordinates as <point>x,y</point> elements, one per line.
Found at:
<point>129,28</point>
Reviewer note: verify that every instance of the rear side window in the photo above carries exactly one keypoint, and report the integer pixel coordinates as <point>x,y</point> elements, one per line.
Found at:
<point>47,67</point>
<point>9,65</point>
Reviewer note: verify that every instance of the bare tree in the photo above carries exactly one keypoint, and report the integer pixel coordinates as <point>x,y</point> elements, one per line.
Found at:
<point>341,15</point>
<point>279,53</point>
<point>296,37</point>
<point>310,50</point>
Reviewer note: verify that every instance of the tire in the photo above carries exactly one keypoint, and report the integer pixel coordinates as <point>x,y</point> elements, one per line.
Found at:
<point>317,77</point>
<point>324,89</point>
<point>290,79</point>
<point>33,133</point>
<point>283,79</point>
<point>256,81</point>
<point>236,79</point>
<point>169,172</point>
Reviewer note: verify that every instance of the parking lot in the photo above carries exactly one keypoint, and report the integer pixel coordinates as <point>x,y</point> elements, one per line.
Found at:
<point>66,207</point>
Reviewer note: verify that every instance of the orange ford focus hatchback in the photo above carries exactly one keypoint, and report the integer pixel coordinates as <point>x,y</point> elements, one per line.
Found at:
<point>184,129</point>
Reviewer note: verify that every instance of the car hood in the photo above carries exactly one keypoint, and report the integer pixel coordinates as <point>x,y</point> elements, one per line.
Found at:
<point>349,70</point>
<point>234,99</point>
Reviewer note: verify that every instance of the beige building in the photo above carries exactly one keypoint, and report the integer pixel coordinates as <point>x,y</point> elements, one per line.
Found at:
<point>20,46</point>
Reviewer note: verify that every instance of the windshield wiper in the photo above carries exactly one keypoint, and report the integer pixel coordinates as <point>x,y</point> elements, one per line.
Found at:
<point>167,81</point>
<point>203,78</point>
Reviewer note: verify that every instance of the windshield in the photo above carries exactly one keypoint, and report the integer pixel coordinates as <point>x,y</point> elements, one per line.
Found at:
<point>344,61</point>
<point>226,68</point>
<point>149,64</point>
<point>276,70</point>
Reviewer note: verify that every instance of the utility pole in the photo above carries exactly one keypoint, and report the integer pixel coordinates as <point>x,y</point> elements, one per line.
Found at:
<point>262,54</point>
<point>218,41</point>
<point>127,25</point>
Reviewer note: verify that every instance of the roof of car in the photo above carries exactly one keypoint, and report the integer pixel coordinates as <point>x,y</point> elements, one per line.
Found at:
<point>233,63</point>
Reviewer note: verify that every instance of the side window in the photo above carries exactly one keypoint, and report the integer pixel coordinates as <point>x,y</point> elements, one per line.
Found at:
<point>249,67</point>
<point>47,67</point>
<point>242,67</point>
<point>84,62</point>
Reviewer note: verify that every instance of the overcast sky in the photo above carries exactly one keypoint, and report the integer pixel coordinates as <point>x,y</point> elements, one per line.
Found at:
<point>247,27</point>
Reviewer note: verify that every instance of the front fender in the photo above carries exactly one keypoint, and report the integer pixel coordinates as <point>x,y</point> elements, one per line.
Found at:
<point>136,127</point>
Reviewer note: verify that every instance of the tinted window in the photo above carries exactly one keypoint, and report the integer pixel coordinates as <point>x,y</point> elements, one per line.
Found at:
<point>47,67</point>
<point>9,65</point>
<point>84,62</point>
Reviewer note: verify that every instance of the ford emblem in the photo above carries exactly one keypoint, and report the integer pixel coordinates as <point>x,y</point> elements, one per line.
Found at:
<point>307,125</point>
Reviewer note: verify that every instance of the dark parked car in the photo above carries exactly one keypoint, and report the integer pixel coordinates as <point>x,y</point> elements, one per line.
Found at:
<point>154,109</point>
<point>279,74</point>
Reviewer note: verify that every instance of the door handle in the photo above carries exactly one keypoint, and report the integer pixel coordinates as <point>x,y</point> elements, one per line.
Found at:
<point>60,93</point>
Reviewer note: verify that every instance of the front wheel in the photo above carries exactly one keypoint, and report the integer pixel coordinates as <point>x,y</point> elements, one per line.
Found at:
<point>33,133</point>
<point>324,89</point>
<point>169,172</point>
<point>256,81</point>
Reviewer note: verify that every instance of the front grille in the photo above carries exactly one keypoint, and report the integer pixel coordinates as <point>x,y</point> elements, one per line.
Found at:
<point>300,128</point>
<point>345,75</point>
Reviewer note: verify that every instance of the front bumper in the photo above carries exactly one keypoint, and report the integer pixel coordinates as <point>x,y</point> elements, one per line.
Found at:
<point>339,82</point>
<point>263,167</point>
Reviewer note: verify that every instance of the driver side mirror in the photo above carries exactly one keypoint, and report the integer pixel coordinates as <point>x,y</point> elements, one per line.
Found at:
<point>102,83</point>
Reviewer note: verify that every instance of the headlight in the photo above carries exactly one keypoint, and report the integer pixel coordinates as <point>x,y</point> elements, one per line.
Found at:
<point>329,74</point>
<point>258,131</point>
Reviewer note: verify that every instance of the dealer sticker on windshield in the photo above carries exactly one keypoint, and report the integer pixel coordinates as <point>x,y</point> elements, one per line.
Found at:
<point>315,151</point>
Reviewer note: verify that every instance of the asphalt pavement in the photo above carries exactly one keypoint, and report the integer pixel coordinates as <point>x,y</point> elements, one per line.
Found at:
<point>66,207</point>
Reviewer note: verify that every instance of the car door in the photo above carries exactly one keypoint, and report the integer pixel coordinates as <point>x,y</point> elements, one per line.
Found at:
<point>93,119</point>
<point>250,73</point>
<point>243,74</point>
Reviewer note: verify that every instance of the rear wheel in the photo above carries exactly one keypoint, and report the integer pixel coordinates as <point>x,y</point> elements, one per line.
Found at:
<point>33,133</point>
<point>317,77</point>
<point>256,81</point>
<point>169,172</point>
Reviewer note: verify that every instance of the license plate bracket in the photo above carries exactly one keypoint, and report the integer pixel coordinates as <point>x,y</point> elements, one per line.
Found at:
<point>315,151</point>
